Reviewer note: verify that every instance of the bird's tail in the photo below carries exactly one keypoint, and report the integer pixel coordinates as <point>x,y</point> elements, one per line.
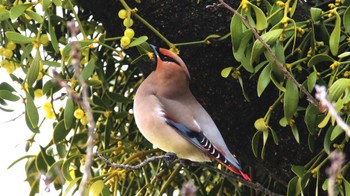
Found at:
<point>235,170</point>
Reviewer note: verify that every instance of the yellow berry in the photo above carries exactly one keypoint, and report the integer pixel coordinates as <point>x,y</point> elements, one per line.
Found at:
<point>7,53</point>
<point>128,22</point>
<point>129,33</point>
<point>38,93</point>
<point>79,113</point>
<point>40,76</point>
<point>124,41</point>
<point>84,121</point>
<point>47,106</point>
<point>10,67</point>
<point>44,39</point>
<point>122,14</point>
<point>11,45</point>
<point>5,63</point>
<point>50,114</point>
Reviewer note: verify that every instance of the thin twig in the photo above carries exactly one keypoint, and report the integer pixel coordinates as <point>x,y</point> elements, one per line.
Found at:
<point>168,158</point>
<point>310,98</point>
<point>321,94</point>
<point>84,102</point>
<point>252,185</point>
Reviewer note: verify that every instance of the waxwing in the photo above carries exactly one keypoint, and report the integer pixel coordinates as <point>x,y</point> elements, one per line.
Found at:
<point>170,117</point>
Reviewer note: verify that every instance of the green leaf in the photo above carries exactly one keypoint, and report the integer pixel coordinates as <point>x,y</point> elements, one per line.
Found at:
<point>293,8</point>
<point>96,188</point>
<point>18,38</point>
<point>35,16</point>
<point>68,114</point>
<point>33,70</point>
<point>290,100</point>
<point>265,137</point>
<point>278,84</point>
<point>226,72</point>
<point>7,95</point>
<point>94,83</point>
<point>240,52</point>
<point>31,111</point>
<point>293,185</point>
<point>295,132</point>
<point>57,2</point>
<point>50,87</point>
<point>236,30</point>
<point>346,20</point>
<point>60,132</point>
<point>61,150</point>
<point>269,38</point>
<point>66,167</point>
<point>278,50</point>
<point>344,54</point>
<point>261,21</point>
<point>242,88</point>
<point>319,58</point>
<point>138,41</point>
<point>338,88</point>
<point>316,14</point>
<point>311,81</point>
<point>6,86</point>
<point>51,63</point>
<point>118,98</point>
<point>274,136</point>
<point>312,118</point>
<point>20,159</point>
<point>54,170</point>
<point>336,132</point>
<point>264,79</point>
<point>347,187</point>
<point>335,36</point>
<point>88,69</point>
<point>18,10</point>
<point>4,14</point>
<point>255,143</point>
<point>53,36</point>
<point>299,170</point>
<point>72,184</point>
<point>327,140</point>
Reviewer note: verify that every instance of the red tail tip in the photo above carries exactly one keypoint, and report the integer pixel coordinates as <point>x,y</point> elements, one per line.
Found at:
<point>245,176</point>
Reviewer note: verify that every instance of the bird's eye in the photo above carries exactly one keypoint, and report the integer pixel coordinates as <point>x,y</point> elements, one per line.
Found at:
<point>169,59</point>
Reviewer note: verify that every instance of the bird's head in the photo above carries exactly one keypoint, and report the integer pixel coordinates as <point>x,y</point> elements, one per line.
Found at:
<point>167,61</point>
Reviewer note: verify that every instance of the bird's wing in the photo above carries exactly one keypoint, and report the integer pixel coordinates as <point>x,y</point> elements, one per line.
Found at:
<point>202,142</point>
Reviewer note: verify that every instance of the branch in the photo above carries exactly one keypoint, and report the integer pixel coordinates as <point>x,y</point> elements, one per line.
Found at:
<point>168,158</point>
<point>252,185</point>
<point>310,98</point>
<point>321,95</point>
<point>83,101</point>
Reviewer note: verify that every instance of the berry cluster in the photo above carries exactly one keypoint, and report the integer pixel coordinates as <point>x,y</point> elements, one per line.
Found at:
<point>7,53</point>
<point>129,32</point>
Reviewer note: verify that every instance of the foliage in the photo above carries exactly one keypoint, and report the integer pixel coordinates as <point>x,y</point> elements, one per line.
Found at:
<point>35,39</point>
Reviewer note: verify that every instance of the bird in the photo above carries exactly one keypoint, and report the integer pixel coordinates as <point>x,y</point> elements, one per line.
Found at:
<point>170,117</point>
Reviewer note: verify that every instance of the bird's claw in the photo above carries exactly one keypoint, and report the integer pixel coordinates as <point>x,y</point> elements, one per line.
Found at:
<point>169,157</point>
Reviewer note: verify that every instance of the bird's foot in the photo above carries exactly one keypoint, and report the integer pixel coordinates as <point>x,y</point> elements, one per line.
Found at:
<point>169,157</point>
